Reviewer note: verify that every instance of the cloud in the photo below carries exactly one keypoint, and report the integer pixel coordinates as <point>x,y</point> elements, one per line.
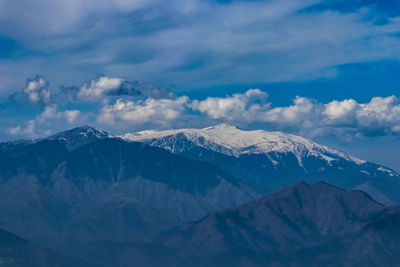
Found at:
<point>379,117</point>
<point>380,114</point>
<point>155,111</point>
<point>342,111</point>
<point>35,92</point>
<point>194,43</point>
<point>45,122</point>
<point>28,130</point>
<point>71,115</point>
<point>302,112</point>
<point>158,107</point>
<point>103,86</point>
<point>99,89</point>
<point>247,107</point>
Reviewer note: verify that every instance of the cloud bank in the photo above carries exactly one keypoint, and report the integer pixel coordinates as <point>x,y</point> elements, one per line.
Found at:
<point>117,102</point>
<point>380,116</point>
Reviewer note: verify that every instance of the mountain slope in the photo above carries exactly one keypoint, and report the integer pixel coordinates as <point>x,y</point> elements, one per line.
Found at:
<point>83,186</point>
<point>80,136</point>
<point>267,161</point>
<point>302,225</point>
<point>17,252</point>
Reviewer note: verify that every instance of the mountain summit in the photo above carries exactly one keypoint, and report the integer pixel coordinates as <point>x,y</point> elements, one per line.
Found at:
<point>79,136</point>
<point>229,139</point>
<point>301,225</point>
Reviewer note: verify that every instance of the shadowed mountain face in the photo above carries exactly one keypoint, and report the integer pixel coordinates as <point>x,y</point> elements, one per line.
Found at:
<point>302,225</point>
<point>18,252</point>
<point>268,161</point>
<point>83,187</point>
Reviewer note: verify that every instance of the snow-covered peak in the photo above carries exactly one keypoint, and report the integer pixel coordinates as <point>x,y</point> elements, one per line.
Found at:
<point>231,140</point>
<point>85,130</point>
<point>79,136</point>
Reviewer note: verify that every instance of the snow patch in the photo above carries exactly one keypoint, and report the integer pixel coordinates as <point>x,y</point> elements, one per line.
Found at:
<point>386,170</point>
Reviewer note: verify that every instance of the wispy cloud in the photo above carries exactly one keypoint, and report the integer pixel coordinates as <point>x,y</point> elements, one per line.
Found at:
<point>198,43</point>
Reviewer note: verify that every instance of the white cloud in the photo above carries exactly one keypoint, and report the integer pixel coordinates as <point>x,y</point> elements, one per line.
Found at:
<point>45,122</point>
<point>35,92</point>
<point>28,130</point>
<point>300,113</point>
<point>155,111</point>
<point>380,116</point>
<point>238,42</point>
<point>71,115</point>
<point>345,118</point>
<point>99,87</point>
<point>380,112</point>
<point>247,107</point>
<point>341,111</point>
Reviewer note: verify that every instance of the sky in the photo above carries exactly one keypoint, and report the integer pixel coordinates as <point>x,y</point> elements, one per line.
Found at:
<point>324,69</point>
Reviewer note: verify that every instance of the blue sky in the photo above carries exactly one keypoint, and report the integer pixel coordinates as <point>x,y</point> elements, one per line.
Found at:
<point>324,69</point>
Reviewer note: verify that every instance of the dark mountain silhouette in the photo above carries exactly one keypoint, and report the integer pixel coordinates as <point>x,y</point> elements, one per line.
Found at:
<point>18,252</point>
<point>302,225</point>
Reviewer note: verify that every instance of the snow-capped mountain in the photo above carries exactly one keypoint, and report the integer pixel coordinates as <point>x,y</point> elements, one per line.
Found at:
<point>80,136</point>
<point>268,161</point>
<point>230,140</point>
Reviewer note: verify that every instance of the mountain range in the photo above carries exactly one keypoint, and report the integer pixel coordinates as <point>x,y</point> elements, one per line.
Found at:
<point>268,161</point>
<point>84,187</point>
<point>180,198</point>
<point>301,225</point>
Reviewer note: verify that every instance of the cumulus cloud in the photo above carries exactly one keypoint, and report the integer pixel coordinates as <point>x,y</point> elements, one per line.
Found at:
<point>380,116</point>
<point>99,89</point>
<point>342,111</point>
<point>44,122</point>
<point>27,130</point>
<point>247,107</point>
<point>151,110</point>
<point>159,107</point>
<point>36,91</point>
<point>71,115</point>
<point>102,87</point>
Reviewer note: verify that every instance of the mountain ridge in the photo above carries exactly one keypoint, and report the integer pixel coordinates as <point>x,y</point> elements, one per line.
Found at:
<point>238,141</point>
<point>301,225</point>
<point>267,161</point>
<point>72,196</point>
